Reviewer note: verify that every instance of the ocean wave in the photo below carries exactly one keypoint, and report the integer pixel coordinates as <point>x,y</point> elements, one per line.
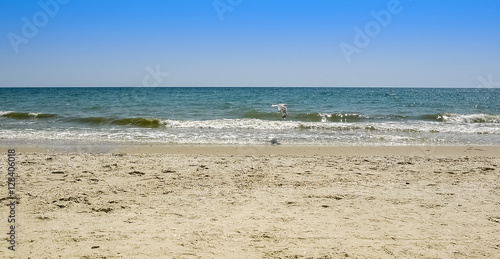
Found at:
<point>272,120</point>
<point>137,122</point>
<point>468,118</point>
<point>26,115</point>
<point>309,117</point>
<point>355,117</point>
<point>434,126</point>
<point>93,120</point>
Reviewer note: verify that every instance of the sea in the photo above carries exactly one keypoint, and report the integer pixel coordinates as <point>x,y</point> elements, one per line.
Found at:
<point>244,116</point>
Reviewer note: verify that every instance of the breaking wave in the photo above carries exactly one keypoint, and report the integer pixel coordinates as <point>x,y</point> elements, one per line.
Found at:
<point>468,118</point>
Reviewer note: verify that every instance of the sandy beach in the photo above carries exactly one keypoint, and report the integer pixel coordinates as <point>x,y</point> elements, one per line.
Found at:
<point>255,202</point>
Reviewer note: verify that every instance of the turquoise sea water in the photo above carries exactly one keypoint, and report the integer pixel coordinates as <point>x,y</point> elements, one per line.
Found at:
<point>350,116</point>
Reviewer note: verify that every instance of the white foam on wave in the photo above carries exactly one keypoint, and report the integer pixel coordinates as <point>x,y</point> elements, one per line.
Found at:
<point>469,118</point>
<point>233,124</point>
<point>437,127</point>
<point>256,124</point>
<point>344,117</point>
<point>5,112</point>
<point>324,116</point>
<point>34,114</point>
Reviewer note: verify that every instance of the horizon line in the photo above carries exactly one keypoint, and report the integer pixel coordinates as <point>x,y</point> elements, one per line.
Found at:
<point>466,87</point>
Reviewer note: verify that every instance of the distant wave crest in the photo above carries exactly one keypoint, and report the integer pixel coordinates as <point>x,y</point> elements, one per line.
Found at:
<point>137,122</point>
<point>308,117</point>
<point>26,115</point>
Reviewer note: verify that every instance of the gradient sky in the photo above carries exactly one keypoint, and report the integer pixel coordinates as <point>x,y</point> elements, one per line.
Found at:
<point>445,43</point>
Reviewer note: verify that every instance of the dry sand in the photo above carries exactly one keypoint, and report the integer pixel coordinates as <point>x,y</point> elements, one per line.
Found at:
<point>256,202</point>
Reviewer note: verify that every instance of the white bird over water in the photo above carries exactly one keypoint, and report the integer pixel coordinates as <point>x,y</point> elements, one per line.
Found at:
<point>281,109</point>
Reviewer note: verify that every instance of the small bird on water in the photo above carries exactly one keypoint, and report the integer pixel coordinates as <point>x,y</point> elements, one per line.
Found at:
<point>281,109</point>
<point>275,141</point>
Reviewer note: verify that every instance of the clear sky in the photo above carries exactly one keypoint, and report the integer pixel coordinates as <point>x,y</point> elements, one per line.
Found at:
<point>450,43</point>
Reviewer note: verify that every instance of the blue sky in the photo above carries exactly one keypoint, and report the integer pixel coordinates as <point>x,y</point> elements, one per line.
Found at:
<point>257,43</point>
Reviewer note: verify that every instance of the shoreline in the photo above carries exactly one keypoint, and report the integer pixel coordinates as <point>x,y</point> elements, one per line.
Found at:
<point>455,151</point>
<point>302,150</point>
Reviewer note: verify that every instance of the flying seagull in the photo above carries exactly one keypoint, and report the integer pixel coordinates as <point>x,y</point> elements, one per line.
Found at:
<point>281,109</point>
